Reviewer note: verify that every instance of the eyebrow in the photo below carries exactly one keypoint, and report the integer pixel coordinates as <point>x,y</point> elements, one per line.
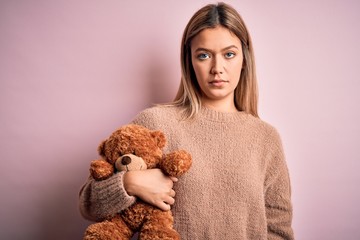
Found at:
<point>208,50</point>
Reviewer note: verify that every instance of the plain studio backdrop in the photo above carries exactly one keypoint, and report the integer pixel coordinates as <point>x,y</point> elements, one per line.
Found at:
<point>71,72</point>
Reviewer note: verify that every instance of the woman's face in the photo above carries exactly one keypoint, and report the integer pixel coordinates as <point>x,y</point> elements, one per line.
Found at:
<point>217,58</point>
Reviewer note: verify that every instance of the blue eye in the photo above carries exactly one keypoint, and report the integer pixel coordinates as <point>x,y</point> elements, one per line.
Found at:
<point>203,56</point>
<point>230,55</point>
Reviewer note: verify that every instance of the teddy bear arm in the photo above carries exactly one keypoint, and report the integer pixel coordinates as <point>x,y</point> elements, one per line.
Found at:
<point>176,163</point>
<point>101,169</point>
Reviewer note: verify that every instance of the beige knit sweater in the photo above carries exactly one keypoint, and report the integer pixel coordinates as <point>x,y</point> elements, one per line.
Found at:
<point>237,188</point>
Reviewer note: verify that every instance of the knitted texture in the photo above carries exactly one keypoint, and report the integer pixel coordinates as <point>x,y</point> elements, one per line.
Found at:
<point>237,188</point>
<point>100,199</point>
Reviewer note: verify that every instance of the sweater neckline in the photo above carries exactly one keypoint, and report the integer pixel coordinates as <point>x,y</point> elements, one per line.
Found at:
<point>218,116</point>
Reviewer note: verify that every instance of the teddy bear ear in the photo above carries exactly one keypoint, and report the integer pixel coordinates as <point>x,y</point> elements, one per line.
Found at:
<point>101,148</point>
<point>159,138</point>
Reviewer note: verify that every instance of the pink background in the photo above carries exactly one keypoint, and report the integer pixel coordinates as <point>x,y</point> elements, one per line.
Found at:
<point>73,71</point>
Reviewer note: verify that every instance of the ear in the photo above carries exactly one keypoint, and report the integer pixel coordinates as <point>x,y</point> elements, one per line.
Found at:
<point>101,148</point>
<point>159,137</point>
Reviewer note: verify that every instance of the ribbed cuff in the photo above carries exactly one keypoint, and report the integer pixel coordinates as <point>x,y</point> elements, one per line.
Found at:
<point>110,196</point>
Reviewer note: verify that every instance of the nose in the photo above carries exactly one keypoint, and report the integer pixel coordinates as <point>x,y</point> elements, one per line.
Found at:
<point>217,65</point>
<point>126,160</point>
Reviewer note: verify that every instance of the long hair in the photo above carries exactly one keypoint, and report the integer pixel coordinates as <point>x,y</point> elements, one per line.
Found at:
<point>189,92</point>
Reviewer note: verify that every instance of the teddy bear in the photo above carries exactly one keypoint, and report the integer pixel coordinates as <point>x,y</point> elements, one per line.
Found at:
<point>134,147</point>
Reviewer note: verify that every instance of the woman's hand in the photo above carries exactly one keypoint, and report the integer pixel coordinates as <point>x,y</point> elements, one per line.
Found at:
<point>152,186</point>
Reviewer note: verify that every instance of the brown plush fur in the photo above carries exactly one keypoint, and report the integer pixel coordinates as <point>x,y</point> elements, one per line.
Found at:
<point>143,149</point>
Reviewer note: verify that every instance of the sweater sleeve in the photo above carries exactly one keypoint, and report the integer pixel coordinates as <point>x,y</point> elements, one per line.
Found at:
<point>101,199</point>
<point>277,192</point>
<point>147,118</point>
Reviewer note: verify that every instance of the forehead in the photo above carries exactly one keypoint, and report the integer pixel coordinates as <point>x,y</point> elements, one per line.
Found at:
<point>215,38</point>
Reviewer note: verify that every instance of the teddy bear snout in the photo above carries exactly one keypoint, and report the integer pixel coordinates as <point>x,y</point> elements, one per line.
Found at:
<point>126,160</point>
<point>130,162</point>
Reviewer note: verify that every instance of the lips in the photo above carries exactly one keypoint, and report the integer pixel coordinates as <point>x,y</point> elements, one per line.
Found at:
<point>218,82</point>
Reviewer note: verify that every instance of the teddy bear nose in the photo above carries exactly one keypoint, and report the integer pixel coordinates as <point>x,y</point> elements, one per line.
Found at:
<point>126,160</point>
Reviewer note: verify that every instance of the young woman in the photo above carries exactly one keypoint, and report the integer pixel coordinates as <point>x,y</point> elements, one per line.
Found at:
<point>238,186</point>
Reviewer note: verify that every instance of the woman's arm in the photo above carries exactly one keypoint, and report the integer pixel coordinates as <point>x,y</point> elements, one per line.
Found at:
<point>100,199</point>
<point>278,193</point>
<point>151,186</point>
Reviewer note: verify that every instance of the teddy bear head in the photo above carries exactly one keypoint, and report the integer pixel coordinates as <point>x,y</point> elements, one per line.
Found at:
<point>133,147</point>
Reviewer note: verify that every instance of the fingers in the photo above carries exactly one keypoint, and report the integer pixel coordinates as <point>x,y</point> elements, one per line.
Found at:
<point>166,204</point>
<point>170,183</point>
<point>163,206</point>
<point>167,201</point>
<point>152,186</point>
<point>174,179</point>
<point>172,193</point>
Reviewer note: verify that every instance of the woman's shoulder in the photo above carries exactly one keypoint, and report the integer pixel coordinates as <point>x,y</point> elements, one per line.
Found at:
<point>263,127</point>
<point>158,112</point>
<point>265,134</point>
<point>160,109</point>
<point>156,116</point>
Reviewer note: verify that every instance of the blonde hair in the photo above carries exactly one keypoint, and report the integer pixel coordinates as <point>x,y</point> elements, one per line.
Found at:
<point>189,92</point>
